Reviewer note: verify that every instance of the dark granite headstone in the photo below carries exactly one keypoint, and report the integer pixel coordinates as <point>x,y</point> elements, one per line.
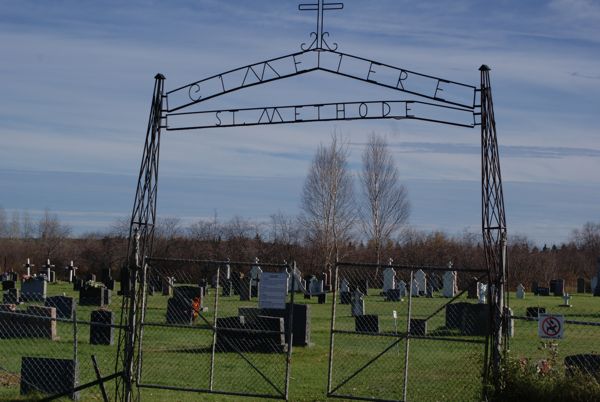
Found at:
<point>244,290</point>
<point>542,291</point>
<point>580,285</point>
<point>418,327</point>
<point>6,285</point>
<point>65,305</point>
<point>454,313</point>
<point>533,312</point>
<point>187,293</point>
<point>366,323</point>
<point>92,296</point>
<point>322,297</point>
<point>33,289</point>
<point>301,326</point>
<point>77,284</point>
<point>534,287</point>
<point>393,295</point>
<point>107,296</point>
<point>475,320</point>
<point>110,284</point>
<point>345,297</point>
<point>11,296</point>
<point>89,277</point>
<point>124,281</point>
<point>264,334</point>
<point>557,287</point>
<point>101,330</point>
<point>48,376</point>
<point>473,291</point>
<point>363,286</point>
<point>227,288</point>
<point>584,363</point>
<point>179,311</point>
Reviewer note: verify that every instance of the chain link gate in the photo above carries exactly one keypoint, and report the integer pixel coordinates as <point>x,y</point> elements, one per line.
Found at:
<point>203,329</point>
<point>406,333</point>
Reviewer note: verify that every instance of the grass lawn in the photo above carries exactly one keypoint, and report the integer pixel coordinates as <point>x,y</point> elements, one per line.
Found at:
<point>445,369</point>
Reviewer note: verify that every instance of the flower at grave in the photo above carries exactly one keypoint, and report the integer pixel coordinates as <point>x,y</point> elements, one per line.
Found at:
<point>196,307</point>
<point>543,367</point>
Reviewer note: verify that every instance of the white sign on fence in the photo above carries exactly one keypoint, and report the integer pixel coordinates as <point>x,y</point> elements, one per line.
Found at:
<point>272,291</point>
<point>551,326</point>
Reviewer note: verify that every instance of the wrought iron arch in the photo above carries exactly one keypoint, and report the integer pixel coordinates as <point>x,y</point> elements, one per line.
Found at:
<point>168,112</point>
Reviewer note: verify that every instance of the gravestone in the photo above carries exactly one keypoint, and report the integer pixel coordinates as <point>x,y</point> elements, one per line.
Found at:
<point>11,296</point>
<point>473,290</point>
<point>475,320</point>
<point>510,321</point>
<point>167,285</point>
<point>28,267</point>
<point>415,288</point>
<point>261,334</point>
<point>236,282</point>
<point>520,291</point>
<point>33,289</point>
<point>71,272</point>
<point>534,288</point>
<point>107,296</point>
<point>533,312</point>
<point>180,311</point>
<point>315,286</point>
<point>566,300</point>
<point>418,327</point>
<point>48,375</point>
<point>366,323</point>
<point>101,330</point>
<point>244,289</point>
<point>41,322</point>
<point>393,295</point>
<point>65,305</point>
<point>389,279</point>
<point>7,285</point>
<point>358,303</point>
<point>77,284</point>
<point>92,296</point>
<point>543,291</point>
<point>273,290</point>
<point>363,286</point>
<point>557,287</point>
<point>449,289</point>
<point>436,281</point>
<point>255,274</point>
<point>345,295</point>
<point>47,270</point>
<point>402,288</point>
<point>594,285</point>
<point>89,277</point>
<point>482,293</point>
<point>322,298</point>
<point>187,293</point>
<point>454,313</point>
<point>583,363</point>
<point>421,278</point>
<point>580,285</point>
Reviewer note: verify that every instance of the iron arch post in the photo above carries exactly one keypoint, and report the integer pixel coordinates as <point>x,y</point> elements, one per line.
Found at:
<point>493,221</point>
<point>141,237</point>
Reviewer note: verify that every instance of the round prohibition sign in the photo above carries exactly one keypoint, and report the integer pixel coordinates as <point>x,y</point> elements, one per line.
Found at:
<point>551,326</point>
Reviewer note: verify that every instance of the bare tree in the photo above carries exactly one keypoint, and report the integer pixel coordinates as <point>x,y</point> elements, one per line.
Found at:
<point>51,233</point>
<point>385,207</point>
<point>327,199</point>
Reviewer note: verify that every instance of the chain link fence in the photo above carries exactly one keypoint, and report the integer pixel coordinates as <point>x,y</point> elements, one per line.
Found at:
<point>218,327</point>
<point>57,336</point>
<point>408,333</point>
<point>553,327</point>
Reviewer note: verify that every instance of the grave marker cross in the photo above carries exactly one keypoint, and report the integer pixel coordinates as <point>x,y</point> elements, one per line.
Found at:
<point>320,6</point>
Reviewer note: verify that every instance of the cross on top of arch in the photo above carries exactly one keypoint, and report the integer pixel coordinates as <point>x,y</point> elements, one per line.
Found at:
<point>319,35</point>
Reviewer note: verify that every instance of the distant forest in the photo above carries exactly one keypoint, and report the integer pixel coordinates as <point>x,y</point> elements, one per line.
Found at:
<point>283,238</point>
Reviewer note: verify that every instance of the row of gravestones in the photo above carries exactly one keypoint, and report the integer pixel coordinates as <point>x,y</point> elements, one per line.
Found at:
<point>40,321</point>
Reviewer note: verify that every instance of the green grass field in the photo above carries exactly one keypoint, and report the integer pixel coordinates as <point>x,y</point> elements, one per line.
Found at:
<point>445,369</point>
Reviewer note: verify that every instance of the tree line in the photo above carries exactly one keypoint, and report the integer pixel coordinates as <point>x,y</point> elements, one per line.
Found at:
<point>337,223</point>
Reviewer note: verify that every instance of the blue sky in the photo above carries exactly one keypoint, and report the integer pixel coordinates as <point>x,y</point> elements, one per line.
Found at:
<point>77,78</point>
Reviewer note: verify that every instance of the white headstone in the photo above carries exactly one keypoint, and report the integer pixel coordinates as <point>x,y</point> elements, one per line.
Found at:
<point>402,287</point>
<point>415,288</point>
<point>567,300</point>
<point>449,289</point>
<point>358,303</point>
<point>315,286</point>
<point>421,278</point>
<point>255,273</point>
<point>594,283</point>
<point>273,290</point>
<point>389,279</point>
<point>344,287</point>
<point>520,291</point>
<point>482,293</point>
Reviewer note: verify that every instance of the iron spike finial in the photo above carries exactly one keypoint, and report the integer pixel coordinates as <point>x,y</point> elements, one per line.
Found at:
<point>159,76</point>
<point>484,67</point>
